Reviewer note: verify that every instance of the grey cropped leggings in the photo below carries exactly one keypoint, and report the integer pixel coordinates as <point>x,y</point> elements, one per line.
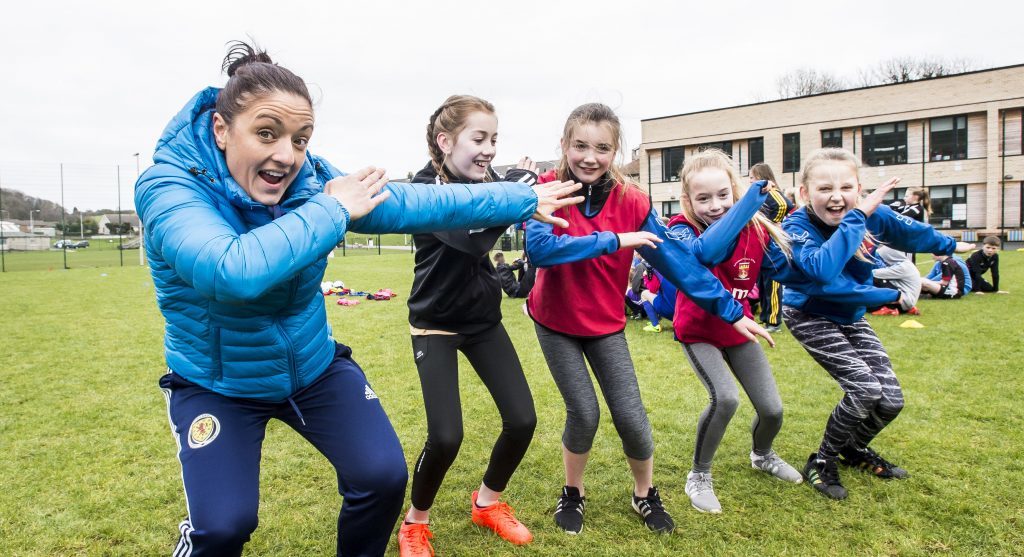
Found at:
<point>612,366</point>
<point>715,367</point>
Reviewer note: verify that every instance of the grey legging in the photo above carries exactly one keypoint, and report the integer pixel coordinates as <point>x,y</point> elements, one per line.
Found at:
<point>609,358</point>
<point>715,368</point>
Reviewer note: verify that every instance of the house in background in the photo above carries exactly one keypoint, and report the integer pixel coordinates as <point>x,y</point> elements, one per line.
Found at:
<point>131,219</point>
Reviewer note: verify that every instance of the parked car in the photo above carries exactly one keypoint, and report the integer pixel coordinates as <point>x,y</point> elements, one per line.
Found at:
<point>65,244</point>
<point>82,244</point>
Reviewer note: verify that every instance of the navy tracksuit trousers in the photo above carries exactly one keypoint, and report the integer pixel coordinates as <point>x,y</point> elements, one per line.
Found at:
<point>220,440</point>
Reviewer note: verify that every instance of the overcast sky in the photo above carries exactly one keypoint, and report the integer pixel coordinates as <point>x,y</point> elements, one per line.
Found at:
<point>91,83</point>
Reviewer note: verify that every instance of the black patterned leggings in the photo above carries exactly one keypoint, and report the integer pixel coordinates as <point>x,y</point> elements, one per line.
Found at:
<point>855,358</point>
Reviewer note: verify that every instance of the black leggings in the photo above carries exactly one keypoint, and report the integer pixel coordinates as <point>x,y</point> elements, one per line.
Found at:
<point>495,360</point>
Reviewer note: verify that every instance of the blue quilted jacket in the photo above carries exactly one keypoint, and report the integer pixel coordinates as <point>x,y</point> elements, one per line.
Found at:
<point>238,282</point>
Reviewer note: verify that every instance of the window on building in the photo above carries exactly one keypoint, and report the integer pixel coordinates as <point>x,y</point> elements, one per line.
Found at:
<point>832,138</point>
<point>724,146</point>
<point>755,151</point>
<point>885,144</point>
<point>948,139</point>
<point>949,206</point>
<point>895,195</point>
<point>671,162</point>
<point>669,208</point>
<point>790,152</point>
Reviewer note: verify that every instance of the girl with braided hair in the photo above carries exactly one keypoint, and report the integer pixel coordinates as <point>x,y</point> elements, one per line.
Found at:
<point>455,306</point>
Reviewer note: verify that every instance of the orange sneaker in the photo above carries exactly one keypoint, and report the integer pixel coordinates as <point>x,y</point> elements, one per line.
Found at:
<point>414,540</point>
<point>500,518</point>
<point>914,311</point>
<point>885,311</point>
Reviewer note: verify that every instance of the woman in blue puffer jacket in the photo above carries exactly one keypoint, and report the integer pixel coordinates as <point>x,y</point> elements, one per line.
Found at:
<point>239,220</point>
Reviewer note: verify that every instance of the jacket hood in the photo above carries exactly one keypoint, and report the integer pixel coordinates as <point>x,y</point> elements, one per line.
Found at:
<point>188,143</point>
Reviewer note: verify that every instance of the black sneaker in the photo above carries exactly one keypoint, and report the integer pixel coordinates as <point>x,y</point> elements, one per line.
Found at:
<point>824,476</point>
<point>569,512</point>
<point>653,512</point>
<point>872,463</point>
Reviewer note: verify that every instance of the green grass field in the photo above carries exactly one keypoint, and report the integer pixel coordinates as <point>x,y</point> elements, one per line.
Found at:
<point>88,467</point>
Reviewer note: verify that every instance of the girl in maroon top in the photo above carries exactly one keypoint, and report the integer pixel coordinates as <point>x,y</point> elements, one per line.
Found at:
<point>729,235</point>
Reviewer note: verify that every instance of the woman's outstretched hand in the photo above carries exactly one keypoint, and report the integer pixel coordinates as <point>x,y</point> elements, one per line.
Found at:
<point>359,192</point>
<point>551,196</point>
<point>748,328</point>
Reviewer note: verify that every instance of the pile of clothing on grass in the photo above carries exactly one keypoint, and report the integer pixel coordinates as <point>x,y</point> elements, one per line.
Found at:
<point>347,295</point>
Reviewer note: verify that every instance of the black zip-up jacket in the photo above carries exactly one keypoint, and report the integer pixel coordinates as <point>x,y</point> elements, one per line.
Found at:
<point>455,287</point>
<point>978,264</point>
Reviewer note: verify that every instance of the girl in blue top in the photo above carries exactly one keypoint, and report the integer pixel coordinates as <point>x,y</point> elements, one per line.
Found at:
<point>828,287</point>
<point>239,220</point>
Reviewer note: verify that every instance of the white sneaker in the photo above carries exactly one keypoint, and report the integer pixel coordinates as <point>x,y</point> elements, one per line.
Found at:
<point>774,465</point>
<point>702,493</point>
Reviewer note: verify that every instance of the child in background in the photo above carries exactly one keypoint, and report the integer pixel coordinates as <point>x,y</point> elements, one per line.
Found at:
<point>981,262</point>
<point>950,283</point>
<point>729,235</point>
<point>577,307</point>
<point>455,306</point>
<point>935,274</point>
<point>897,272</point>
<point>776,207</point>
<point>515,286</point>
<point>916,204</point>
<point>658,300</point>
<point>828,287</point>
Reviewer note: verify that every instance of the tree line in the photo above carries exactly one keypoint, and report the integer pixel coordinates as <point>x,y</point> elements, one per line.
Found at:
<point>810,81</point>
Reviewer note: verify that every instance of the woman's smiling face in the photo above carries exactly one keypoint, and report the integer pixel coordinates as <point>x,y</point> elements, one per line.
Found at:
<point>265,145</point>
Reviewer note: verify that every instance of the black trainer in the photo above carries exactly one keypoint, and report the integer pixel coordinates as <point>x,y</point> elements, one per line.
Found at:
<point>569,512</point>
<point>824,476</point>
<point>872,463</point>
<point>653,512</point>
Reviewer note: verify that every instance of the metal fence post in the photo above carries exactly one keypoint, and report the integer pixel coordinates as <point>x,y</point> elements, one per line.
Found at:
<point>3,243</point>
<point>63,223</point>
<point>120,219</point>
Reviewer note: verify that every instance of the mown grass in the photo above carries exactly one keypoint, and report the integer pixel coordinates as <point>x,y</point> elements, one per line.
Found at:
<point>88,466</point>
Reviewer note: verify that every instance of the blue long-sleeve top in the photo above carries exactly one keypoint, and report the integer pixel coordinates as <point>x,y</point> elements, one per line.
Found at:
<point>825,278</point>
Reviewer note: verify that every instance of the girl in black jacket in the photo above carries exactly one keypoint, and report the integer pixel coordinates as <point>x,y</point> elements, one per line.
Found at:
<point>455,305</point>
